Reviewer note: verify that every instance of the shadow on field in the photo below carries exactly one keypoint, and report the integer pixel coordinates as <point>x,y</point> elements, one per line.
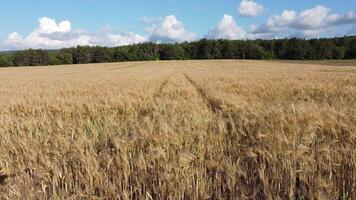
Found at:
<point>3,178</point>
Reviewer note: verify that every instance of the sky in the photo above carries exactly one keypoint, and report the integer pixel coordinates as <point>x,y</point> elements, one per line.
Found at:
<point>53,24</point>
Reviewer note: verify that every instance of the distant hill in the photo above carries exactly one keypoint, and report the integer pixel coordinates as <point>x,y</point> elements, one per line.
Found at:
<point>7,52</point>
<point>14,51</point>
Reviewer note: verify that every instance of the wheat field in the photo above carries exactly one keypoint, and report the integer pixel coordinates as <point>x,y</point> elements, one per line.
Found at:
<point>178,130</point>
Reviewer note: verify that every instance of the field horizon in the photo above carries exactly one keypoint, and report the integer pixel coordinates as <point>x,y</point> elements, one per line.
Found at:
<point>202,129</point>
<point>330,63</point>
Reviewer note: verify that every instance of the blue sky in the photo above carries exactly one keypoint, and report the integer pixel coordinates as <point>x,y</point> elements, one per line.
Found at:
<point>36,24</point>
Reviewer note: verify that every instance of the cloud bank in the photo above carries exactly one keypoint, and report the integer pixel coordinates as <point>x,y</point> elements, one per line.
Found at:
<point>318,21</point>
<point>308,23</point>
<point>53,35</point>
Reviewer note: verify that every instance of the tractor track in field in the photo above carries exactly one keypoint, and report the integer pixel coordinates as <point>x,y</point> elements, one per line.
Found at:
<point>231,117</point>
<point>214,105</point>
<point>161,87</point>
<point>125,67</point>
<point>218,108</point>
<point>221,109</point>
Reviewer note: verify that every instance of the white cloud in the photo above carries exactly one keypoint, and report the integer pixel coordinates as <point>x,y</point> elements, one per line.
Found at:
<point>313,22</point>
<point>227,29</point>
<point>314,18</point>
<point>170,30</point>
<point>249,8</point>
<point>112,39</point>
<point>48,25</point>
<point>337,19</point>
<point>40,37</point>
<point>53,35</point>
<point>308,23</point>
<point>285,19</point>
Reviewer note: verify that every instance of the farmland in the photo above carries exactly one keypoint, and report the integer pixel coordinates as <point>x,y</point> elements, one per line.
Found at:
<point>178,130</point>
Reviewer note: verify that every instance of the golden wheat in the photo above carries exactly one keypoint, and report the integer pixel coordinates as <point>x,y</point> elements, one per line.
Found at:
<point>178,130</point>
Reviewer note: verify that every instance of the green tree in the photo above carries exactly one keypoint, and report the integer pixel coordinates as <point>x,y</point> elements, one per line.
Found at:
<point>297,49</point>
<point>226,49</point>
<point>5,61</point>
<point>339,53</point>
<point>294,48</point>
<point>351,48</point>
<point>205,49</point>
<point>65,56</point>
<point>53,60</point>
<point>171,52</point>
<point>31,57</point>
<point>148,51</point>
<point>323,49</point>
<point>281,49</point>
<point>121,54</point>
<point>102,55</point>
<point>82,55</point>
<point>190,50</point>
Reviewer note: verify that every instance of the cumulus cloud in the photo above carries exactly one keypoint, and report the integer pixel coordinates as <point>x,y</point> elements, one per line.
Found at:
<point>170,30</point>
<point>52,35</point>
<point>42,36</point>
<point>227,29</point>
<point>285,19</point>
<point>112,39</point>
<point>308,23</point>
<point>313,22</point>
<point>337,19</point>
<point>249,8</point>
<point>48,25</point>
<point>313,18</point>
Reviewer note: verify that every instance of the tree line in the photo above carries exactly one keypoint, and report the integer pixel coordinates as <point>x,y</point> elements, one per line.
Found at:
<point>289,49</point>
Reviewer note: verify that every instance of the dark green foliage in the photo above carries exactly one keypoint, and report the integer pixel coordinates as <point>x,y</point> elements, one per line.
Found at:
<point>297,49</point>
<point>82,55</point>
<point>324,49</point>
<point>5,61</point>
<point>61,57</point>
<point>121,54</point>
<point>171,52</point>
<point>31,57</point>
<point>291,49</point>
<point>138,52</point>
<point>147,51</point>
<point>65,56</point>
<point>53,60</point>
<point>351,48</point>
<point>101,55</point>
<point>338,52</point>
<point>205,49</point>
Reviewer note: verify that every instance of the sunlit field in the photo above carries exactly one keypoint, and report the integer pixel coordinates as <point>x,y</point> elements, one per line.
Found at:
<point>178,130</point>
